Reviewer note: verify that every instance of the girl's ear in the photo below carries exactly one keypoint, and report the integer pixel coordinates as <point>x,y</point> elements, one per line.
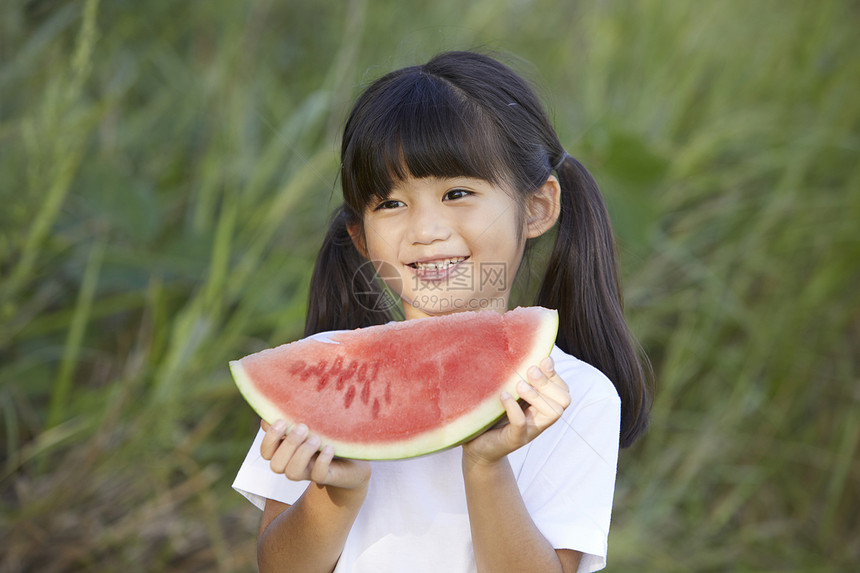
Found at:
<point>357,237</point>
<point>543,209</point>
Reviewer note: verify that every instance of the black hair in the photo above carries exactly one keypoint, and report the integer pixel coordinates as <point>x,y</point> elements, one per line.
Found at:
<point>464,114</point>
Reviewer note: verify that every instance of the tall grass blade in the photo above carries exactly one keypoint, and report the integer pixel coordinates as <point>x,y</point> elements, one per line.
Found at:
<point>61,390</point>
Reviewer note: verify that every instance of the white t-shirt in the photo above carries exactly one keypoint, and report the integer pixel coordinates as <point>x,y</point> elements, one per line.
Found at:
<point>414,518</point>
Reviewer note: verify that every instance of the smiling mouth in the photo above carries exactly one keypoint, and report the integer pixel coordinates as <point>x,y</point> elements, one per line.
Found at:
<point>436,266</point>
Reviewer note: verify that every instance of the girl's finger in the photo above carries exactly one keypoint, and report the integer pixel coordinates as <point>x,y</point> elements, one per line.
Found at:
<point>514,411</point>
<point>298,468</point>
<point>549,384</point>
<point>320,469</point>
<point>273,437</point>
<point>550,377</point>
<point>546,381</point>
<point>517,426</point>
<point>284,452</point>
<point>547,366</point>
<point>541,404</point>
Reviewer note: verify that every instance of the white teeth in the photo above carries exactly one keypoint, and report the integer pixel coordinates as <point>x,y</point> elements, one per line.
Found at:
<point>439,265</point>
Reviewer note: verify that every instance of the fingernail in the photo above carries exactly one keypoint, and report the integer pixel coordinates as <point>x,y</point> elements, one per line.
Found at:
<point>522,386</point>
<point>279,426</point>
<point>548,365</point>
<point>300,430</point>
<point>534,372</point>
<point>505,395</point>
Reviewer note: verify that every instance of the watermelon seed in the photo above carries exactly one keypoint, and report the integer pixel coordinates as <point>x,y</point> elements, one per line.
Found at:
<point>349,397</point>
<point>299,368</point>
<point>346,374</point>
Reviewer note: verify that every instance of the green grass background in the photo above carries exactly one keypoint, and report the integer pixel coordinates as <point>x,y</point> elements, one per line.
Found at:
<point>166,169</point>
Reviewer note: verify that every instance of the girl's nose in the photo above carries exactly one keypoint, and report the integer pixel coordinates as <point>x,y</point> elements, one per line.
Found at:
<point>428,225</point>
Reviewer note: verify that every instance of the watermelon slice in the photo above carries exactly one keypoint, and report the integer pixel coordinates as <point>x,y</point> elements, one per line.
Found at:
<point>403,389</point>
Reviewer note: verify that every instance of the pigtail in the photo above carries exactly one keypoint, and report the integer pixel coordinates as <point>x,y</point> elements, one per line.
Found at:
<point>582,283</point>
<point>344,291</point>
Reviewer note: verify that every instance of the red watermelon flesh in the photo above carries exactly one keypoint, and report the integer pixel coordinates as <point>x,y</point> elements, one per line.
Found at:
<point>402,389</point>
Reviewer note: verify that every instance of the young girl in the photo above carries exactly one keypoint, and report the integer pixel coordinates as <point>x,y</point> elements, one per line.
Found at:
<point>448,169</point>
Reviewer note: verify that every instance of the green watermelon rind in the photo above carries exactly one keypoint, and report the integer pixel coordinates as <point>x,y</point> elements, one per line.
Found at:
<point>483,417</point>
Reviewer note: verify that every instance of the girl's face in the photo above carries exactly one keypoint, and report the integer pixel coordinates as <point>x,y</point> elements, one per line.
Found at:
<point>452,244</point>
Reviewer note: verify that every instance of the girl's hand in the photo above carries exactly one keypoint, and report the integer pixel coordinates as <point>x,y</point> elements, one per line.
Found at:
<point>547,395</point>
<point>297,455</point>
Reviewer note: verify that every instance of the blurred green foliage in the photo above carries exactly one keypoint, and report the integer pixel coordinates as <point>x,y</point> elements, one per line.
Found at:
<point>166,171</point>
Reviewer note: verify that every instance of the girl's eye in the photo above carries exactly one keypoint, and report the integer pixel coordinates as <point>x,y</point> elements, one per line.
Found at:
<point>388,204</point>
<point>457,194</point>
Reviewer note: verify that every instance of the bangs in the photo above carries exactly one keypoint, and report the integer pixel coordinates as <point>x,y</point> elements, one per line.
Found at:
<point>416,125</point>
